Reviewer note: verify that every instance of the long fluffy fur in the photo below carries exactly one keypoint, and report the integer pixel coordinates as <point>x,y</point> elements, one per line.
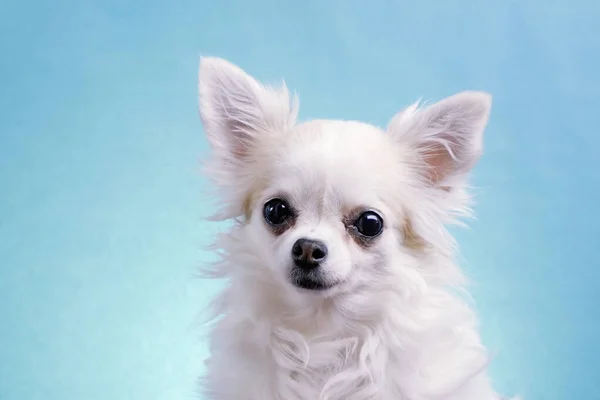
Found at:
<point>404,331</point>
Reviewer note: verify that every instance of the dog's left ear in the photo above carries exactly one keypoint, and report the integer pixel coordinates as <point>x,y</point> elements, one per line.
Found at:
<point>448,135</point>
<point>236,109</point>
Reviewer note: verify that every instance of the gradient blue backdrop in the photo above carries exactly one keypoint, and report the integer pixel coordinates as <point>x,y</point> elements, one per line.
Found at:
<point>101,201</point>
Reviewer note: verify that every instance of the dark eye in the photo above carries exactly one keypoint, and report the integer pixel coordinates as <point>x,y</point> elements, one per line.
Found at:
<point>277,211</point>
<point>369,224</point>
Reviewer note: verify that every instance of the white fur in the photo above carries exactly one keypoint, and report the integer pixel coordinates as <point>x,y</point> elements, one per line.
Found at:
<point>394,326</point>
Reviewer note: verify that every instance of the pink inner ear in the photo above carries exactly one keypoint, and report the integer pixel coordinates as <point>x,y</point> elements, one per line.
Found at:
<point>240,135</point>
<point>238,150</point>
<point>439,163</point>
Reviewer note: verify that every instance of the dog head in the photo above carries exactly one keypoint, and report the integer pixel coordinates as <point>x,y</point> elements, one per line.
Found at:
<point>330,206</point>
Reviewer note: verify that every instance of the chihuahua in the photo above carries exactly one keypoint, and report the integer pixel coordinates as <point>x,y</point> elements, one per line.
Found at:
<point>339,270</point>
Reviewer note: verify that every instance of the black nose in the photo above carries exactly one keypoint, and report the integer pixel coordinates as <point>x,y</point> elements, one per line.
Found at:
<point>308,253</point>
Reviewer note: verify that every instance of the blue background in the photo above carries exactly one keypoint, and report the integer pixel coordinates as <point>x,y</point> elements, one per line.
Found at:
<point>101,199</point>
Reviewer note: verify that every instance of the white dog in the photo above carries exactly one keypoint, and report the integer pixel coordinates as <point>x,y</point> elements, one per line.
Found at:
<point>340,277</point>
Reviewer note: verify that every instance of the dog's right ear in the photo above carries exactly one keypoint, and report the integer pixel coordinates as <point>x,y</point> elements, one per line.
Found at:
<point>236,109</point>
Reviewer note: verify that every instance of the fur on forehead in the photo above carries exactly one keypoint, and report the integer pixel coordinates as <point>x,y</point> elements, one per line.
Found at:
<point>351,161</point>
<point>422,158</point>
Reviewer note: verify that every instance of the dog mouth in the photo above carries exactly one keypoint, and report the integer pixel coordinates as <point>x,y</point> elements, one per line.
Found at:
<point>310,280</point>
